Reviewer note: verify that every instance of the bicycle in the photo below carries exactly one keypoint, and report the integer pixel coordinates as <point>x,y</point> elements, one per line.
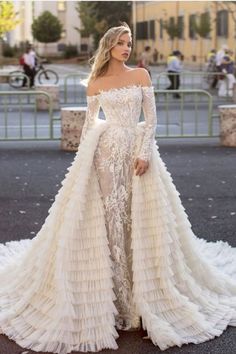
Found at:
<point>44,76</point>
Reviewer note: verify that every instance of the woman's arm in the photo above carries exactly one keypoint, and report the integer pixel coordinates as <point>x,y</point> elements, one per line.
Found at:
<point>149,110</point>
<point>93,107</point>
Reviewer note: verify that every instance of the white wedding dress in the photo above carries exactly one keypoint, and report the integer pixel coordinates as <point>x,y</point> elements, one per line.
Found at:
<point>116,248</point>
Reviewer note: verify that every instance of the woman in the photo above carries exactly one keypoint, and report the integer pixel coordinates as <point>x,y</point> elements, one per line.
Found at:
<point>116,250</point>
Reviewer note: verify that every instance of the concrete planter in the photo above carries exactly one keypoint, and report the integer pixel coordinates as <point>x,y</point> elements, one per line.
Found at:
<point>228,125</point>
<point>234,93</point>
<point>42,101</point>
<point>72,121</point>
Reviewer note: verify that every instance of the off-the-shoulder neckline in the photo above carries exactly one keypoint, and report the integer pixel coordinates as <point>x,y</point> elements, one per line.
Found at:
<point>119,89</point>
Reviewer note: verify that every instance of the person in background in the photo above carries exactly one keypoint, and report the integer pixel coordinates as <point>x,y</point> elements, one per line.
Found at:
<point>211,67</point>
<point>35,56</point>
<point>29,66</point>
<point>211,61</point>
<point>227,78</point>
<point>155,55</point>
<point>174,68</point>
<point>144,59</point>
<point>218,60</point>
<point>36,59</point>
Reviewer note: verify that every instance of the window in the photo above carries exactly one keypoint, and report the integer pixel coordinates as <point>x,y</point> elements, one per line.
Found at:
<point>222,23</point>
<point>142,30</point>
<point>61,5</point>
<point>61,47</point>
<point>84,47</point>
<point>172,21</point>
<point>192,32</point>
<point>146,30</point>
<point>151,34</point>
<point>161,28</point>
<point>205,20</point>
<point>180,23</point>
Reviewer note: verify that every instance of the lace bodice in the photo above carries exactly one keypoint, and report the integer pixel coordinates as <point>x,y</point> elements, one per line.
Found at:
<point>122,108</point>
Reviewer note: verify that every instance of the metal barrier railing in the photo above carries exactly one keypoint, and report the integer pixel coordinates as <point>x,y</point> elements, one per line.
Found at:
<point>24,122</point>
<point>187,116</point>
<point>77,91</point>
<point>194,80</point>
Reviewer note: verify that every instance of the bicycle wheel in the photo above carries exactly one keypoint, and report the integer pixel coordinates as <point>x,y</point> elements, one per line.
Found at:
<point>16,79</point>
<point>48,77</point>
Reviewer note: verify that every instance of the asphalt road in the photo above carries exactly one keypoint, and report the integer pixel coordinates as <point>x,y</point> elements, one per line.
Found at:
<point>204,173</point>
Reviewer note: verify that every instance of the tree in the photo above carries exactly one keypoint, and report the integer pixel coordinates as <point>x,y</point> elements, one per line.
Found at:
<point>46,28</point>
<point>85,11</point>
<point>230,6</point>
<point>98,16</point>
<point>174,30</point>
<point>203,28</point>
<point>8,19</point>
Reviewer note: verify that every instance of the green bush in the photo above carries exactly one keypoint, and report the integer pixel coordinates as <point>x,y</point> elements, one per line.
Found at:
<point>70,51</point>
<point>9,51</point>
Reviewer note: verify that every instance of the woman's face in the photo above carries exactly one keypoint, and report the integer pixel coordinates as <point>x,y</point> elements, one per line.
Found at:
<point>121,51</point>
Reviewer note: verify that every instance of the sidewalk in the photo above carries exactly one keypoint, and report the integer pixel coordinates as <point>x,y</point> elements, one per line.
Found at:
<point>203,172</point>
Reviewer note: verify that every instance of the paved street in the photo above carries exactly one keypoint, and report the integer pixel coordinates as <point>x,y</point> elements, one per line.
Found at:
<point>204,173</point>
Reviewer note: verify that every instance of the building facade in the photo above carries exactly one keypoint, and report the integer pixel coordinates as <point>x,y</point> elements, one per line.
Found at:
<point>22,32</point>
<point>148,27</point>
<point>65,11</point>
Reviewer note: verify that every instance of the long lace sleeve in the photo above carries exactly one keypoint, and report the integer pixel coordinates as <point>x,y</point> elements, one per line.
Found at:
<point>92,112</point>
<point>149,110</point>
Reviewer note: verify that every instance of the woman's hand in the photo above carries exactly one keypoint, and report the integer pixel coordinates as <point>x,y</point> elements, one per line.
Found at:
<point>140,166</point>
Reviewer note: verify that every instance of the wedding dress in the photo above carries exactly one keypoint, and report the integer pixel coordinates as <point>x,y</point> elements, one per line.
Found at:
<point>116,248</point>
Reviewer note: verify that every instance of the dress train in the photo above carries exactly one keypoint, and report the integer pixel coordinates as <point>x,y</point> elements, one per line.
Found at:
<point>57,290</point>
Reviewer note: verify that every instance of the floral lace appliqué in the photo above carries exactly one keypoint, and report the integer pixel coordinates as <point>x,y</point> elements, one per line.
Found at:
<point>114,162</point>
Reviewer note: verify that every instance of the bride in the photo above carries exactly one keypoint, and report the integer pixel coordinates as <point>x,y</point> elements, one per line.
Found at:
<point>116,250</point>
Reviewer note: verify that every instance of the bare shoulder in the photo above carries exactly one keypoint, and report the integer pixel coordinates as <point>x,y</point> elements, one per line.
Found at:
<point>93,88</point>
<point>142,76</point>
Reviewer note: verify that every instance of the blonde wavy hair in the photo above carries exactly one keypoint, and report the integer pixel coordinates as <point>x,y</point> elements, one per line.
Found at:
<point>102,55</point>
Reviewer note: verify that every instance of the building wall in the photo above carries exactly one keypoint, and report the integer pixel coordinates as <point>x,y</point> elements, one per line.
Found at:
<point>191,48</point>
<point>65,11</point>
<point>23,31</point>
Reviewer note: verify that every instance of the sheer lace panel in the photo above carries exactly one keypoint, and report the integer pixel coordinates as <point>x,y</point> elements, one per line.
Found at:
<point>114,162</point>
<point>93,107</point>
<point>149,110</point>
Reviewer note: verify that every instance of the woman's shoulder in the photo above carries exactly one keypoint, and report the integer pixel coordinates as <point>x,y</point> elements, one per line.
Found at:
<point>93,87</point>
<point>142,76</point>
<point>139,76</point>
